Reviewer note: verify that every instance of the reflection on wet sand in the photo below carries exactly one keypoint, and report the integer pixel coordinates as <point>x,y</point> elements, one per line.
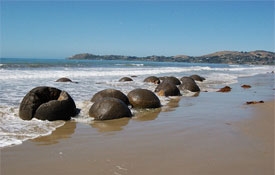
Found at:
<point>62,132</point>
<point>146,115</point>
<point>110,125</point>
<point>171,105</point>
<point>68,129</point>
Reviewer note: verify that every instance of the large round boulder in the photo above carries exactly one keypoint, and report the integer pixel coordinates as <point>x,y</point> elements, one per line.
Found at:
<point>47,103</point>
<point>167,89</point>
<point>152,79</point>
<point>124,79</point>
<point>172,80</point>
<point>143,98</point>
<point>110,93</point>
<point>189,84</point>
<point>197,77</point>
<point>64,79</point>
<point>109,108</point>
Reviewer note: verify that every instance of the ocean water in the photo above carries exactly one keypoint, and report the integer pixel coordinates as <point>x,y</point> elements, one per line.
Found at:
<point>19,76</point>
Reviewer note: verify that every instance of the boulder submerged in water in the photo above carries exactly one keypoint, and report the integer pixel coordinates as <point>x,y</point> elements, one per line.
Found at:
<point>125,79</point>
<point>64,79</point>
<point>47,103</point>
<point>197,77</point>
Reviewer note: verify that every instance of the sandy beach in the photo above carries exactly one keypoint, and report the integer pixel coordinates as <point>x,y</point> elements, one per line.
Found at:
<point>211,134</point>
<point>208,66</point>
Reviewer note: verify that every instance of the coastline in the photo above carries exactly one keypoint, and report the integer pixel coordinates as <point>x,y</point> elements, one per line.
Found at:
<point>259,57</point>
<point>214,133</point>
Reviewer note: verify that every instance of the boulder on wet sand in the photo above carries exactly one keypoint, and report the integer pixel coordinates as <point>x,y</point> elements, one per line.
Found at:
<point>172,80</point>
<point>109,108</point>
<point>47,103</point>
<point>110,93</point>
<point>167,89</point>
<point>152,79</point>
<point>143,98</point>
<point>188,84</point>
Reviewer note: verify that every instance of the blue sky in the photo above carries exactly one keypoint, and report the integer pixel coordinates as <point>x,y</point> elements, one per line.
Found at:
<point>59,29</point>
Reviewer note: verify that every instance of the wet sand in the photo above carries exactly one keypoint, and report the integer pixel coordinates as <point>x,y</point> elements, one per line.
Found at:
<point>212,134</point>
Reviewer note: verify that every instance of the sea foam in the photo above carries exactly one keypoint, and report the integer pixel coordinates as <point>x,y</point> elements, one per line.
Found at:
<point>14,131</point>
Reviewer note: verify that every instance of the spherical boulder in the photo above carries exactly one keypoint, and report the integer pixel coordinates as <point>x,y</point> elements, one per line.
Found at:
<point>172,80</point>
<point>152,79</point>
<point>109,108</point>
<point>143,98</point>
<point>167,89</point>
<point>47,103</point>
<point>110,93</point>
<point>187,79</point>
<point>197,77</point>
<point>162,78</point>
<point>124,79</point>
<point>64,79</point>
<point>189,84</point>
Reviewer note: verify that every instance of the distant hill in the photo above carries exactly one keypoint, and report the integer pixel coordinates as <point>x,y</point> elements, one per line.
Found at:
<point>227,57</point>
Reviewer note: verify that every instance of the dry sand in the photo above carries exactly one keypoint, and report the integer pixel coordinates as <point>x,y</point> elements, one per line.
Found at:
<point>198,146</point>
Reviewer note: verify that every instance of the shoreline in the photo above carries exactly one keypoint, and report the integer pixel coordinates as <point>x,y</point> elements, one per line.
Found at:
<point>257,57</point>
<point>214,133</point>
<point>230,150</point>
